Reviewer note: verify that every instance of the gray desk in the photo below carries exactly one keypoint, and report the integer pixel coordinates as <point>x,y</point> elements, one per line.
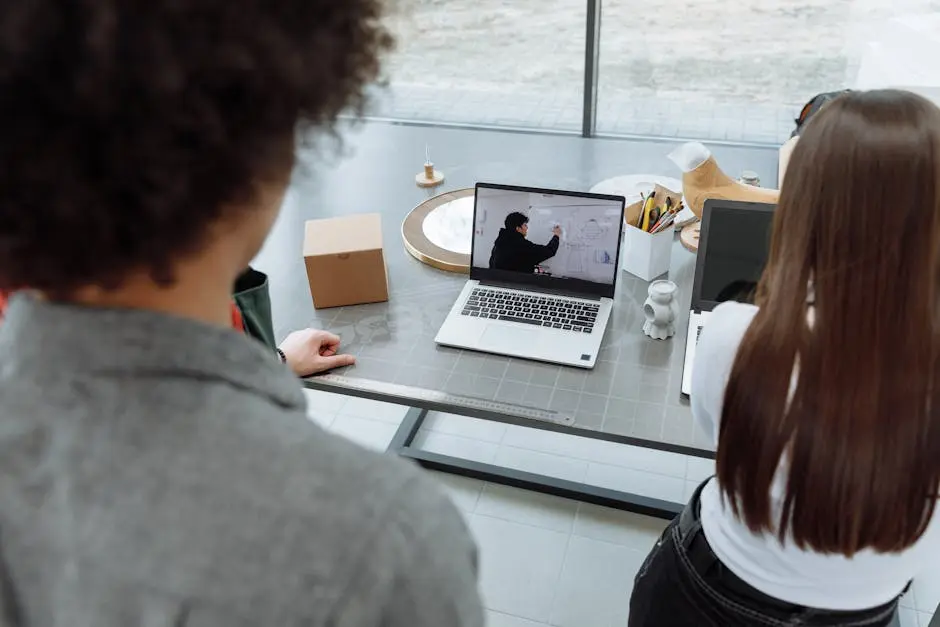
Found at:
<point>631,396</point>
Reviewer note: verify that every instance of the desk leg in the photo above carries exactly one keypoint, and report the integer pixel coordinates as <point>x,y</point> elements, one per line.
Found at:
<point>403,440</point>
<point>407,431</point>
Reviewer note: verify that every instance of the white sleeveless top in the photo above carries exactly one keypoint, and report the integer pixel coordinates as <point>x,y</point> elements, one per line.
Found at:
<point>786,572</point>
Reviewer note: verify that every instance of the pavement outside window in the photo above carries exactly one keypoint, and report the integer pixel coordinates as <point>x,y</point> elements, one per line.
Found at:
<point>703,69</point>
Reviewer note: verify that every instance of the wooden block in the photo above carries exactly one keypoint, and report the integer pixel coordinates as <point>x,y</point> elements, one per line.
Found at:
<point>709,181</point>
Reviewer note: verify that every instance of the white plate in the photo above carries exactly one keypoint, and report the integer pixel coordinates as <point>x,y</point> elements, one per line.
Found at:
<point>630,186</point>
<point>450,226</point>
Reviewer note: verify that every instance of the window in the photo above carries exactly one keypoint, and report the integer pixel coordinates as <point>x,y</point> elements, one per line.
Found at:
<point>706,69</point>
<point>488,62</point>
<point>721,70</point>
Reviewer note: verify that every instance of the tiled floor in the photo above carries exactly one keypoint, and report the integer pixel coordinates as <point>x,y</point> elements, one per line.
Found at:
<point>544,560</point>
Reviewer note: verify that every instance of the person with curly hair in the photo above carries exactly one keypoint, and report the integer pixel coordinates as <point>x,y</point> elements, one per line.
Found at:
<point>157,467</point>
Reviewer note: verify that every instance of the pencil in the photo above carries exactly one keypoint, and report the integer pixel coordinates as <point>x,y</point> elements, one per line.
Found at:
<point>644,222</point>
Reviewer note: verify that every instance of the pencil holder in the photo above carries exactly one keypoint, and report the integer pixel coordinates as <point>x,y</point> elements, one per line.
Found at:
<point>645,255</point>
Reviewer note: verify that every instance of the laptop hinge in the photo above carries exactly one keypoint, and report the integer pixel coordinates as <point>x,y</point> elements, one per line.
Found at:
<point>540,290</point>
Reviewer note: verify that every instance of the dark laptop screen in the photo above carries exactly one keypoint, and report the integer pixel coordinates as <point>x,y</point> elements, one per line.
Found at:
<point>738,242</point>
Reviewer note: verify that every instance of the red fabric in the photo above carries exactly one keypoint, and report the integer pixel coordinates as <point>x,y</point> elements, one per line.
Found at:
<point>238,323</point>
<point>3,304</point>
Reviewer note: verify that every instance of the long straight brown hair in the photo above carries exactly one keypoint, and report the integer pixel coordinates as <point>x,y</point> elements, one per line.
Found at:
<point>837,380</point>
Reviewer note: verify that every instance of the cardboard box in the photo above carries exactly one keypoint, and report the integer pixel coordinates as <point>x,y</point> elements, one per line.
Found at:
<point>345,261</point>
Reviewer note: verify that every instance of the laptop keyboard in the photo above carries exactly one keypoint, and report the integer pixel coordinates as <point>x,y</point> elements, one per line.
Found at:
<point>540,311</point>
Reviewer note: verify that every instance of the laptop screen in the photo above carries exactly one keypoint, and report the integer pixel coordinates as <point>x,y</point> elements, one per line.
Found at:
<point>566,241</point>
<point>733,249</point>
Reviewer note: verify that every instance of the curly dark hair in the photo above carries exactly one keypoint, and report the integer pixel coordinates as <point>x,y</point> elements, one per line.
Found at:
<point>515,219</point>
<point>127,128</point>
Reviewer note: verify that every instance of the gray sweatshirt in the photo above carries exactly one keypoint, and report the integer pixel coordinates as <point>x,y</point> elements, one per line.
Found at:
<point>157,472</point>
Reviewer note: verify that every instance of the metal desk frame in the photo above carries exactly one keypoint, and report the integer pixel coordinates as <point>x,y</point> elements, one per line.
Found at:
<point>402,445</point>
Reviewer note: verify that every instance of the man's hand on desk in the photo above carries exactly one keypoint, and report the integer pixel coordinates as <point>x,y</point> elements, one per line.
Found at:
<point>310,352</point>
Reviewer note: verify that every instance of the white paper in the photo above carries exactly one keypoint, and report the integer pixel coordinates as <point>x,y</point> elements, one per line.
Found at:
<point>690,156</point>
<point>685,217</point>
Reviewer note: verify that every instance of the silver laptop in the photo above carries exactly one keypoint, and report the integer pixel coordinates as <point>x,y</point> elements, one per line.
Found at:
<point>542,277</point>
<point>732,251</point>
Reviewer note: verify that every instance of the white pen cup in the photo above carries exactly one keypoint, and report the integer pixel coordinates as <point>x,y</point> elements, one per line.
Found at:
<point>646,255</point>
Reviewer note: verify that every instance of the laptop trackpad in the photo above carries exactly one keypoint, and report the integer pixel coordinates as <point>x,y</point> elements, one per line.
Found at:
<point>498,337</point>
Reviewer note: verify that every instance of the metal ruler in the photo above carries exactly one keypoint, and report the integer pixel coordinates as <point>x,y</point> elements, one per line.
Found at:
<point>407,394</point>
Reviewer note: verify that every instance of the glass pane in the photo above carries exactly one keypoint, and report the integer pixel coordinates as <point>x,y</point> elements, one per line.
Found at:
<point>737,71</point>
<point>491,62</point>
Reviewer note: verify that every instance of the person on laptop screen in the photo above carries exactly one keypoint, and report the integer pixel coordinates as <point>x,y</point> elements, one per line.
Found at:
<point>513,252</point>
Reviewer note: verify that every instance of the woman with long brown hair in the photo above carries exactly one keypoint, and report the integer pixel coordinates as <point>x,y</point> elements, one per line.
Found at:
<point>824,399</point>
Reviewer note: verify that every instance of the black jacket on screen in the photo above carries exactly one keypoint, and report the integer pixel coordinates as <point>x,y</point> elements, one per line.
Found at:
<point>513,252</point>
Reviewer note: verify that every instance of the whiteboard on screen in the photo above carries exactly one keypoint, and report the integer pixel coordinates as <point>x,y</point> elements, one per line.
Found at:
<point>590,230</point>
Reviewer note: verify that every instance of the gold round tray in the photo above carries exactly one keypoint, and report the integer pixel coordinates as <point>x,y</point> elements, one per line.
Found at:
<point>439,231</point>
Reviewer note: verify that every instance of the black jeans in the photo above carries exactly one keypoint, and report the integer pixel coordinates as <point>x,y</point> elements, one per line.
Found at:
<point>682,583</point>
